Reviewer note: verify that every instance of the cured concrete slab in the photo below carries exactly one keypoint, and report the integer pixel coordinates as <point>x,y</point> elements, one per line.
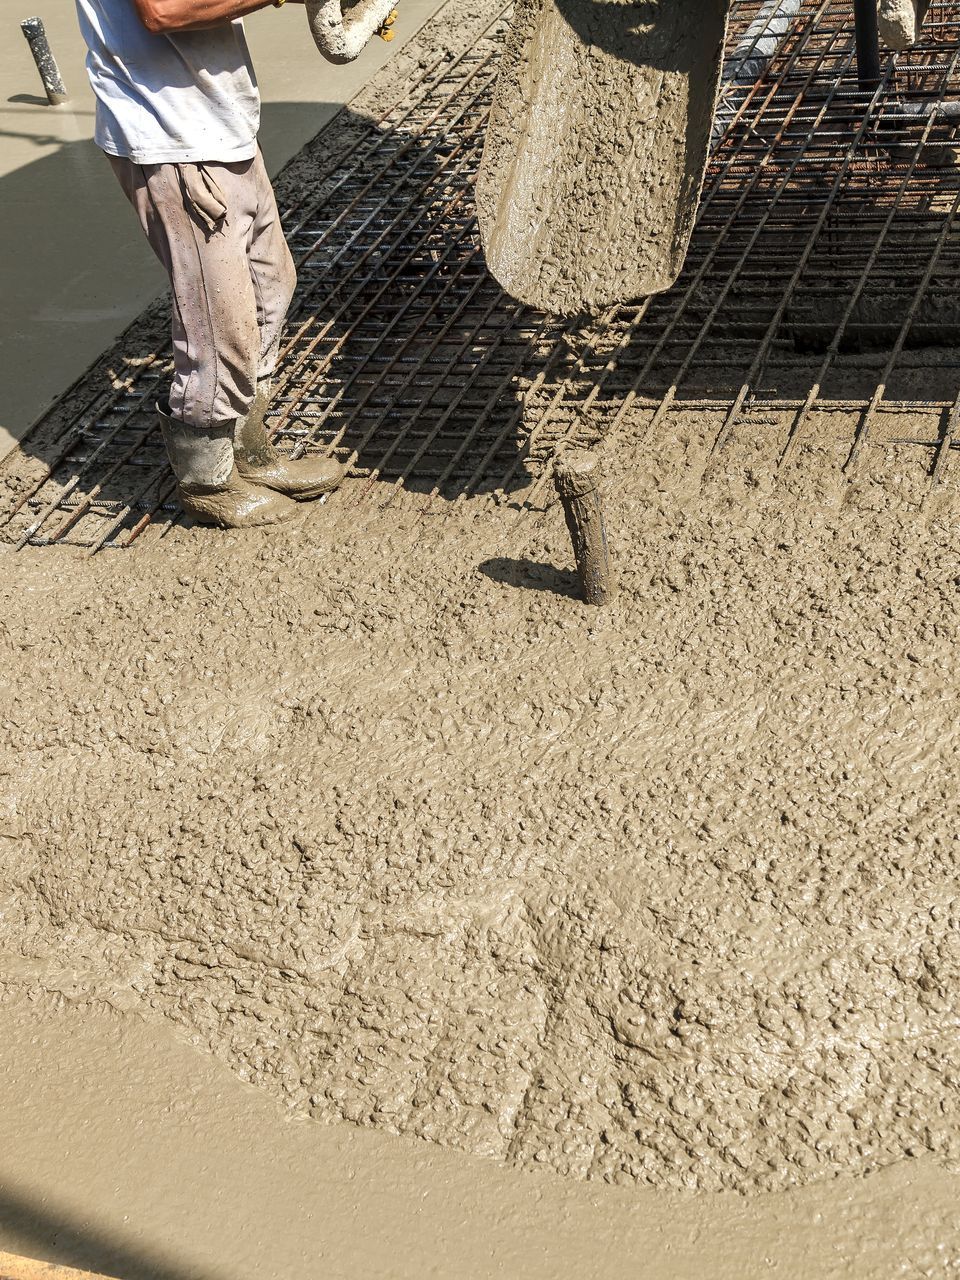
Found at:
<point>75,270</point>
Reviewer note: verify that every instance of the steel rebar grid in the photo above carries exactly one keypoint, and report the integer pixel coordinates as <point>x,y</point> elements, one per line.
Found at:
<point>823,211</point>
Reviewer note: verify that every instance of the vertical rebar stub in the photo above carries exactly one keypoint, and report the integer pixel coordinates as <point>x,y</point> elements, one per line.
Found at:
<point>54,87</point>
<point>577,476</point>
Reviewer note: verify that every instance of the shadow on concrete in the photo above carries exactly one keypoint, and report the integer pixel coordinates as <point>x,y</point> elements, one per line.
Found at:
<point>43,1232</point>
<point>648,33</point>
<point>532,575</point>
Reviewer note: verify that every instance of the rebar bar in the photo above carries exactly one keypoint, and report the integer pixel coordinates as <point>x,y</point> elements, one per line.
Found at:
<point>36,37</point>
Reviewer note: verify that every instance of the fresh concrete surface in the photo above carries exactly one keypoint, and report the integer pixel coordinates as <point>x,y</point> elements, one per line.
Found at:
<point>126,1151</point>
<point>75,270</point>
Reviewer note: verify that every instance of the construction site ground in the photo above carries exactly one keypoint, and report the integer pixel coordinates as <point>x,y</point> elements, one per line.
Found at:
<point>643,922</point>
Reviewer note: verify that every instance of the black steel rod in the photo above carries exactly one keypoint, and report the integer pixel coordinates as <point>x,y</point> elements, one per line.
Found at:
<point>868,42</point>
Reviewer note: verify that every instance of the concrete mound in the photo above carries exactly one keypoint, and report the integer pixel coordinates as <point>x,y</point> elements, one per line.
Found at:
<point>665,895</point>
<point>596,148</point>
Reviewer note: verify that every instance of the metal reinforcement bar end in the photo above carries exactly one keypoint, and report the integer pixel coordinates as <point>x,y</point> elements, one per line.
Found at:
<point>578,480</point>
<point>53,85</point>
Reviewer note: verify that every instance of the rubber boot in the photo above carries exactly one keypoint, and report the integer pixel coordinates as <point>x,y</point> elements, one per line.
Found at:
<point>211,491</point>
<point>258,461</point>
<point>900,22</point>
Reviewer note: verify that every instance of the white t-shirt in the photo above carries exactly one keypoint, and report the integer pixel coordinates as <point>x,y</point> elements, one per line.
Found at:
<point>183,98</point>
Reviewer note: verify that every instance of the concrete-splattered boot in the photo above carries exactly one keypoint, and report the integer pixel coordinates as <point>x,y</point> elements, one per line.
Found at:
<point>900,22</point>
<point>211,491</point>
<point>258,460</point>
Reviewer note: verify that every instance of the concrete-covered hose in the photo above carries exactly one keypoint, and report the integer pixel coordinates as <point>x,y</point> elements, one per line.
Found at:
<point>341,34</point>
<point>900,22</point>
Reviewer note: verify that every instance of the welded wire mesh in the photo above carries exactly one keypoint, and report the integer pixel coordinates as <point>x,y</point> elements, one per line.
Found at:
<point>822,276</point>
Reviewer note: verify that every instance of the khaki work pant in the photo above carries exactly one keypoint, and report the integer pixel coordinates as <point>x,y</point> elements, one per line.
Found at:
<point>216,230</point>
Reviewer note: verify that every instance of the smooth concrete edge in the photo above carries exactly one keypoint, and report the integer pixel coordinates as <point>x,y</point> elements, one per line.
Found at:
<point>127,1150</point>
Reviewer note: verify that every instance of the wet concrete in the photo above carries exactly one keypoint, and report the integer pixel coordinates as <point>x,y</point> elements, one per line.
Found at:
<point>596,148</point>
<point>900,21</point>
<point>662,895</point>
<point>75,268</point>
<point>398,832</point>
<point>128,1151</point>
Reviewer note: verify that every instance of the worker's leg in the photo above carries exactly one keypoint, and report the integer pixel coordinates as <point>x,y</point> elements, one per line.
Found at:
<point>199,232</point>
<point>272,272</point>
<point>216,336</point>
<point>273,279</point>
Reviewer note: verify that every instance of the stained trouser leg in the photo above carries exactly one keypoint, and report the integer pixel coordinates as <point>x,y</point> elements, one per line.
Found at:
<point>273,278</point>
<point>272,271</point>
<point>215,333</point>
